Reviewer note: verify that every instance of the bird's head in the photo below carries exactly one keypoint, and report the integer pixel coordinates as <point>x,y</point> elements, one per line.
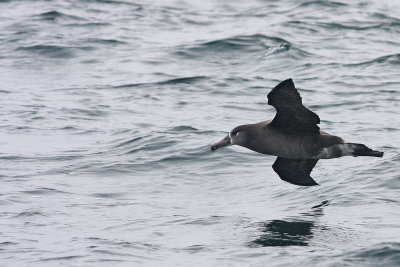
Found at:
<point>238,136</point>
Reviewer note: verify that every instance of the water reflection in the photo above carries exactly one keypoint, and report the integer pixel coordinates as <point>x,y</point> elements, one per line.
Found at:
<point>297,231</point>
<point>285,233</point>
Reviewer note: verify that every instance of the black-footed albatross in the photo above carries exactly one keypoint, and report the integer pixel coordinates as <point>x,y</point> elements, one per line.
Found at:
<point>293,136</point>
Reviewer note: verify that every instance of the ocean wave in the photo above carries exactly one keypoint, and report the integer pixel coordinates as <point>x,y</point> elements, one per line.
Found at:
<point>187,80</point>
<point>108,195</point>
<point>187,155</point>
<point>342,26</point>
<point>104,41</point>
<point>89,24</point>
<point>130,141</point>
<point>385,17</point>
<point>114,2</point>
<point>56,15</point>
<point>61,258</point>
<point>54,51</point>
<point>256,43</point>
<point>321,3</point>
<point>393,59</point>
<point>7,243</point>
<point>383,254</point>
<point>92,113</point>
<point>44,191</point>
<point>142,144</point>
<point>152,146</point>
<point>29,214</point>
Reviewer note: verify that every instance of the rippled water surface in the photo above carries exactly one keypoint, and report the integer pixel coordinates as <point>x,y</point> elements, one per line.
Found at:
<point>108,110</point>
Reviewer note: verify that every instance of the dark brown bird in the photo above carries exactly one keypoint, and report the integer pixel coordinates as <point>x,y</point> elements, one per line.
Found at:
<point>293,136</point>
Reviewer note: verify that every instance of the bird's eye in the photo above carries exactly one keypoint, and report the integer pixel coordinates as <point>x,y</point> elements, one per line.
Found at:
<point>234,133</point>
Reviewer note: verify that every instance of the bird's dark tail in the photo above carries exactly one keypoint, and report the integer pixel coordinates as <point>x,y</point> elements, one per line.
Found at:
<point>363,150</point>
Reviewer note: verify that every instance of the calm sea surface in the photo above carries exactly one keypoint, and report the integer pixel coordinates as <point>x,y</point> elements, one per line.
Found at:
<point>108,110</point>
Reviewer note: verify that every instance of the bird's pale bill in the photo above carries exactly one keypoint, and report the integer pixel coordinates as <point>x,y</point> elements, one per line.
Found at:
<point>224,142</point>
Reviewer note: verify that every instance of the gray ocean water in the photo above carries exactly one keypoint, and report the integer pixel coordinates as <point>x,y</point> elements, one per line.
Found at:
<point>108,110</point>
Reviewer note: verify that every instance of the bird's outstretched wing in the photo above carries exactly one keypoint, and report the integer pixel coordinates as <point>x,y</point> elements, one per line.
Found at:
<point>291,115</point>
<point>295,171</point>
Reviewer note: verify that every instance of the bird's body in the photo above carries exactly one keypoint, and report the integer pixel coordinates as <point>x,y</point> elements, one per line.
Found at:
<point>293,136</point>
<point>271,141</point>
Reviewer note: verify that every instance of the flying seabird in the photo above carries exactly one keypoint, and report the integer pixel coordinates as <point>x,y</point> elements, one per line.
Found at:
<point>293,136</point>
